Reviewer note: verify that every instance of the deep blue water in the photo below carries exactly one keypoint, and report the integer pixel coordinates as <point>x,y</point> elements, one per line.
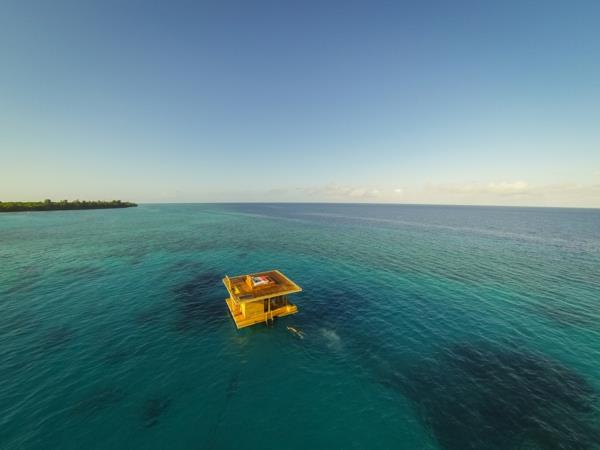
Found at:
<point>426,327</point>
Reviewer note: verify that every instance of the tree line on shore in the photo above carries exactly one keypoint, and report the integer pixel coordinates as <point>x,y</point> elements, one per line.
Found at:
<point>49,205</point>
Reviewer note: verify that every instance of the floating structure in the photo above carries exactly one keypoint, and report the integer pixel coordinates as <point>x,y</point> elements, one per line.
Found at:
<point>259,297</point>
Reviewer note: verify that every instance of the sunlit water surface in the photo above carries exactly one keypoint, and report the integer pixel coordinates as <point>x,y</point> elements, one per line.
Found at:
<point>425,327</point>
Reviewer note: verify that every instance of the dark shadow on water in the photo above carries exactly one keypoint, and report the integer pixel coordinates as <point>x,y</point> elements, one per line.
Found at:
<point>185,265</point>
<point>57,338</point>
<point>476,396</point>
<point>153,409</point>
<point>150,317</point>
<point>199,302</point>
<point>231,390</point>
<point>132,252</point>
<point>98,401</point>
<point>19,323</point>
<point>117,357</point>
<point>28,278</point>
<point>82,272</point>
<point>570,315</point>
<point>333,305</point>
<point>233,386</point>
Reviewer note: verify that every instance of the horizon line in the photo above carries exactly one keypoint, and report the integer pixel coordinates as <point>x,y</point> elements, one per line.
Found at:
<point>463,205</point>
<point>364,203</point>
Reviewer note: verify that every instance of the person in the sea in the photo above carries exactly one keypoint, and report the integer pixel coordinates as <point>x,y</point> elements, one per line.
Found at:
<point>296,332</point>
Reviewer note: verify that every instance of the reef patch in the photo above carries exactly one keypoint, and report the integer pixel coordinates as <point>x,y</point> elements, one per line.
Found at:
<point>199,302</point>
<point>484,397</point>
<point>57,337</point>
<point>99,400</point>
<point>153,409</point>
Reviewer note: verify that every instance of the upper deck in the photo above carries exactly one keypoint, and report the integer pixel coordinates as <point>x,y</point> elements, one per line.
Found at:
<point>260,285</point>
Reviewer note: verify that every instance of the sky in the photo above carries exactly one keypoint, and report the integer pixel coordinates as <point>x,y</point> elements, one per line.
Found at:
<point>462,102</point>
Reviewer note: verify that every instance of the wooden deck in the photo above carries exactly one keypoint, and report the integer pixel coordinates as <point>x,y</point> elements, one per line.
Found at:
<point>241,292</point>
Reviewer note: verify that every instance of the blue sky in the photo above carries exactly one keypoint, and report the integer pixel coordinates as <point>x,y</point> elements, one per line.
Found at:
<point>422,102</point>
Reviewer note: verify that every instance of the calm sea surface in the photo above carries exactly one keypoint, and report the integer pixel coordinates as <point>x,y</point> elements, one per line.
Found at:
<point>426,327</point>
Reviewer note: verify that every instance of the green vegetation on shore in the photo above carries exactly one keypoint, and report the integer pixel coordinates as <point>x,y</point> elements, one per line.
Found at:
<point>49,205</point>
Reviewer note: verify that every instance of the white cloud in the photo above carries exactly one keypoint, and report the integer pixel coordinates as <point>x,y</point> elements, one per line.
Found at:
<point>504,187</point>
<point>339,192</point>
<point>514,193</point>
<point>499,188</point>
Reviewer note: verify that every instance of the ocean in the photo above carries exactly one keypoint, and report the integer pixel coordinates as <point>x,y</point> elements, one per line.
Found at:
<point>425,327</point>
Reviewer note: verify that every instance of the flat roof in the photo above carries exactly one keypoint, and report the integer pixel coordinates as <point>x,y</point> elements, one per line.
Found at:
<point>242,292</point>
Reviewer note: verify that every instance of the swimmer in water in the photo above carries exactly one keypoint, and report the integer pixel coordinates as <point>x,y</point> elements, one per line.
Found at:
<point>296,332</point>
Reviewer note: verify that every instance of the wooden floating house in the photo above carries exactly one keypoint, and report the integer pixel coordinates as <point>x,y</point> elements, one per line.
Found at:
<point>259,297</point>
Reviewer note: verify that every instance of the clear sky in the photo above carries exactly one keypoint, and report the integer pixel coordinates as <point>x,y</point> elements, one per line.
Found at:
<point>469,102</point>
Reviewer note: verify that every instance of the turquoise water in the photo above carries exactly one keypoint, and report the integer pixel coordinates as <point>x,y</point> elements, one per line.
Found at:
<point>425,327</point>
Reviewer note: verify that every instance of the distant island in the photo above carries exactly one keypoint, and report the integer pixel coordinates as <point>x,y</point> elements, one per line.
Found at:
<point>49,205</point>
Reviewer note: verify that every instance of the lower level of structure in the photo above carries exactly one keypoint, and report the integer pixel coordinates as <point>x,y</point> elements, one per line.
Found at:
<point>251,313</point>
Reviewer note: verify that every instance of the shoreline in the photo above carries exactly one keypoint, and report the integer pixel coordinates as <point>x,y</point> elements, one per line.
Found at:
<point>63,205</point>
